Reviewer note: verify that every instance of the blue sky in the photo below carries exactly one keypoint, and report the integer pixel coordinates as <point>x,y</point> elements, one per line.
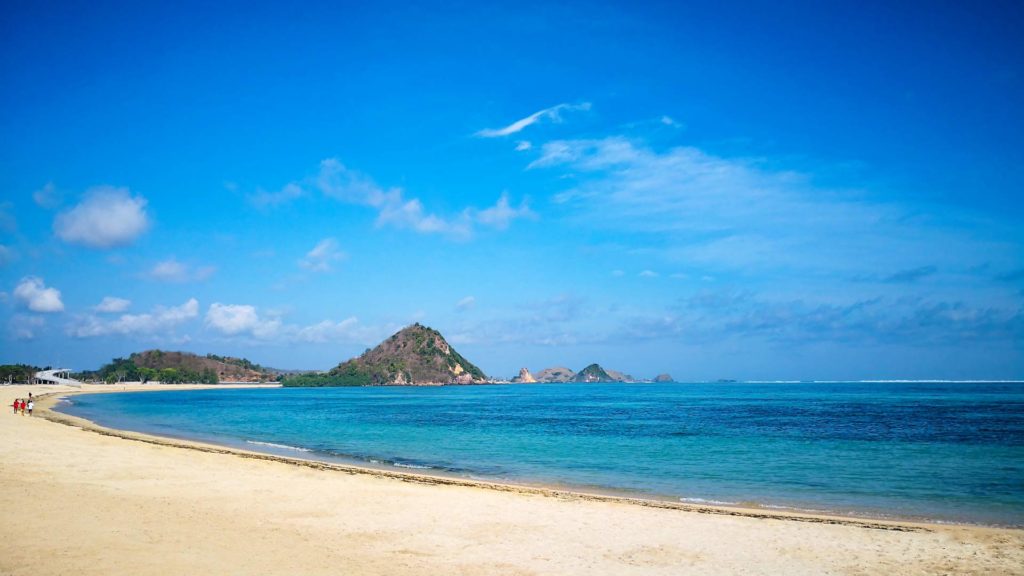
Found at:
<point>755,190</point>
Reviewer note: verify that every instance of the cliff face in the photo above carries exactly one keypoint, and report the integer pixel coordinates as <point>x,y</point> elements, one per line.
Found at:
<point>524,376</point>
<point>414,355</point>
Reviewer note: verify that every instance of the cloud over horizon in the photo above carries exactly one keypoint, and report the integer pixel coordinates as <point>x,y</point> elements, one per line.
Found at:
<point>157,324</point>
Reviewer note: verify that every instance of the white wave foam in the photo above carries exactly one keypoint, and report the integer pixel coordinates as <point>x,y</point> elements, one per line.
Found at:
<point>413,466</point>
<point>704,501</point>
<point>282,446</point>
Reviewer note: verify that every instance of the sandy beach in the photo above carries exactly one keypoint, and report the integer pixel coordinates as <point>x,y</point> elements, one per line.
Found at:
<point>77,499</point>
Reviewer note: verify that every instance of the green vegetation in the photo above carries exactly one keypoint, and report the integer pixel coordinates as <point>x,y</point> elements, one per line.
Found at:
<point>17,373</point>
<point>593,373</point>
<point>122,369</point>
<point>240,362</point>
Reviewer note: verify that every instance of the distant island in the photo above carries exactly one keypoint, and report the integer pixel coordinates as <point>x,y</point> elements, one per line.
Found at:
<point>415,355</point>
<point>593,373</point>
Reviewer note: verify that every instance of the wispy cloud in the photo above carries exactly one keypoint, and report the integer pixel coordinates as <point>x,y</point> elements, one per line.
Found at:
<point>502,213</point>
<point>322,256</point>
<point>465,304</point>
<point>265,199</point>
<point>7,254</point>
<point>730,314</point>
<point>738,215</point>
<point>553,114</point>
<point>106,218</point>
<point>48,196</point>
<point>394,209</point>
<point>112,305</point>
<point>25,326</point>
<point>171,270</point>
<point>159,323</point>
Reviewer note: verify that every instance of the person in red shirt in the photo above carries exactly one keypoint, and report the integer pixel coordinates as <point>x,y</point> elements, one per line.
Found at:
<point>22,406</point>
<point>15,405</point>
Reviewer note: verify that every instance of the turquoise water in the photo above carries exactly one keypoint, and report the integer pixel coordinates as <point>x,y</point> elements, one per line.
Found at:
<point>938,451</point>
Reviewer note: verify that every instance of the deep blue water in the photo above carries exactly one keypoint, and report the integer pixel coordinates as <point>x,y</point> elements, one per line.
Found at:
<point>939,451</point>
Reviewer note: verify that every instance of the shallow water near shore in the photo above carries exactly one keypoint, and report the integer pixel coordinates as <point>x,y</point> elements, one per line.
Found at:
<point>935,451</point>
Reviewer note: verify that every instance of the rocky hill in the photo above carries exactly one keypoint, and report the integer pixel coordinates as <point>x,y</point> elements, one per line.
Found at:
<point>557,374</point>
<point>663,378</point>
<point>415,355</point>
<point>593,373</point>
<point>227,369</point>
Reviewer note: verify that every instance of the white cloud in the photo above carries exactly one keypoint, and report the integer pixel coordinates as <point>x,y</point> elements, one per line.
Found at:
<point>465,304</point>
<point>327,331</point>
<point>320,258</point>
<point>106,218</point>
<point>171,270</point>
<point>648,274</point>
<point>501,214</point>
<point>112,305</point>
<point>553,114</point>
<point>35,296</point>
<point>395,211</point>
<point>342,183</point>
<point>47,197</point>
<point>523,145</point>
<point>264,199</point>
<point>159,323</point>
<point>234,319</point>
<point>668,121</point>
<point>246,320</point>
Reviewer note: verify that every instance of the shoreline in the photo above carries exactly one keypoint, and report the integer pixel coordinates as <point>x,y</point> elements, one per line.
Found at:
<point>46,409</point>
<point>86,500</point>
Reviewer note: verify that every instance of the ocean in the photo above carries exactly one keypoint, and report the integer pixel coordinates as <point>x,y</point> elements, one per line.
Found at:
<point>947,452</point>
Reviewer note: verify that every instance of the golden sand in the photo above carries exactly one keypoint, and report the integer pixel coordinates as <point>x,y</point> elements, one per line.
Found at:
<point>79,499</point>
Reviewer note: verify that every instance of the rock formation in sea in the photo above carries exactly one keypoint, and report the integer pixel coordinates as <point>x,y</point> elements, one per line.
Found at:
<point>524,376</point>
<point>663,378</point>
<point>556,374</point>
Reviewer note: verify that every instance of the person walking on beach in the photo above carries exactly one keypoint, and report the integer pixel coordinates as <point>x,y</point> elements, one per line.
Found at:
<point>31,405</point>
<point>15,405</point>
<point>21,406</point>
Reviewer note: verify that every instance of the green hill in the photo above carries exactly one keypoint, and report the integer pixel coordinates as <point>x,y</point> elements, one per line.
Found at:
<point>593,373</point>
<point>415,355</point>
